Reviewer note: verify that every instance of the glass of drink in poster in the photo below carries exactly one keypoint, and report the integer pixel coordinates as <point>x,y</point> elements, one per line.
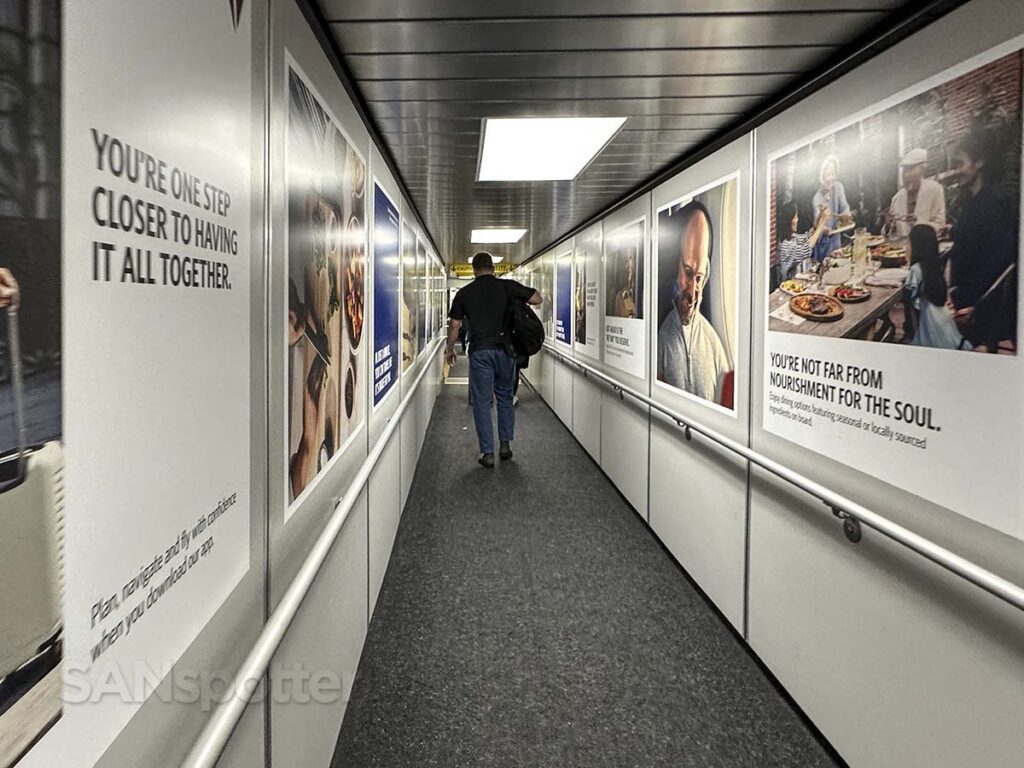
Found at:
<point>860,251</point>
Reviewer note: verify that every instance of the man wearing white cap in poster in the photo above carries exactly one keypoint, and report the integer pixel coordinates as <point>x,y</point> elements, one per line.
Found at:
<point>919,200</point>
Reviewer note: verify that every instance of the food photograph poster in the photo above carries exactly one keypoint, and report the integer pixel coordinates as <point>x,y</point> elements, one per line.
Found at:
<point>624,298</point>
<point>326,285</point>
<point>893,288</point>
<point>586,298</point>
<point>696,293</point>
<point>564,298</point>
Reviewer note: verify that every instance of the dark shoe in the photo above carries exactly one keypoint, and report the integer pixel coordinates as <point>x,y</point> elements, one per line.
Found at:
<point>486,460</point>
<point>505,452</point>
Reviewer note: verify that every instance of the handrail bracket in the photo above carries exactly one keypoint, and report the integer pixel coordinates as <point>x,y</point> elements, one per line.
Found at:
<point>851,525</point>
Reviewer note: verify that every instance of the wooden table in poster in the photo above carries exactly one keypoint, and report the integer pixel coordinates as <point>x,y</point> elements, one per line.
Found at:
<point>857,320</point>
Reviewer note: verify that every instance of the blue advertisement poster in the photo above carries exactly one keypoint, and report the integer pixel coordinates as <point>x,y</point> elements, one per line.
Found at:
<point>563,300</point>
<point>385,294</point>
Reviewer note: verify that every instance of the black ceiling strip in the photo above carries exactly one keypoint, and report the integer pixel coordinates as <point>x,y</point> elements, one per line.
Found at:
<point>608,16</point>
<point>913,18</point>
<point>563,99</point>
<point>318,24</point>
<point>557,79</point>
<point>556,51</point>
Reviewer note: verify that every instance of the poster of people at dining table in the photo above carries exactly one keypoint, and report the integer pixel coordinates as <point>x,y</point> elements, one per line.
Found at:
<point>903,226</point>
<point>893,261</point>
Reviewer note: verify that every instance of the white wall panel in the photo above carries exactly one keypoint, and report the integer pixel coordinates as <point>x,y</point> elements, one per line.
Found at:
<point>624,422</point>
<point>561,400</point>
<point>698,493</point>
<point>624,444</point>
<point>410,452</point>
<point>698,510</point>
<point>385,511</point>
<point>542,373</point>
<point>898,662</point>
<point>326,637</point>
<point>163,730</point>
<point>328,633</point>
<point>586,413</point>
<point>289,541</point>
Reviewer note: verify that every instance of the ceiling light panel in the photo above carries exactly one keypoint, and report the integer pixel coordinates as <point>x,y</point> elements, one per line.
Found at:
<point>542,148</point>
<point>490,236</point>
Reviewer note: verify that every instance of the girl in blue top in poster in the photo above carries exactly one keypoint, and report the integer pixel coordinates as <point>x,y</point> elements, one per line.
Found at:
<point>831,196</point>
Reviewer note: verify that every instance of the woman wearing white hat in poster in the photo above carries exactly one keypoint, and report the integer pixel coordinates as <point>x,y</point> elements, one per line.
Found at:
<point>919,200</point>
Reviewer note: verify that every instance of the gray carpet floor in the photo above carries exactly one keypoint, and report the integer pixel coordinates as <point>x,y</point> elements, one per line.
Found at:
<point>529,618</point>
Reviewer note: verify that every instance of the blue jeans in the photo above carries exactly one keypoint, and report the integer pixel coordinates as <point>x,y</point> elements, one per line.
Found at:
<point>492,370</point>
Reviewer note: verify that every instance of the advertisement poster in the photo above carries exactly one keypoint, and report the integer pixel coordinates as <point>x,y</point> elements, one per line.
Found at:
<point>432,291</point>
<point>422,297</point>
<point>410,310</point>
<point>586,296</point>
<point>564,299</point>
<point>624,298</point>
<point>545,277</point>
<point>326,181</point>
<point>131,519</point>
<point>894,279</point>
<point>386,286</point>
<point>439,292</point>
<point>31,513</point>
<point>698,242</point>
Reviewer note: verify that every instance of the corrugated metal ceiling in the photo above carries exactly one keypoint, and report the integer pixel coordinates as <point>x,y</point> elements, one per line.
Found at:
<point>680,70</point>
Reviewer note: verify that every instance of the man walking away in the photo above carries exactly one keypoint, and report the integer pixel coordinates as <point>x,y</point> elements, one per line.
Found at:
<point>492,365</point>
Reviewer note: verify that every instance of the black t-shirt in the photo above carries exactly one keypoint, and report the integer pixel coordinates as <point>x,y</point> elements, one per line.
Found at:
<point>485,302</point>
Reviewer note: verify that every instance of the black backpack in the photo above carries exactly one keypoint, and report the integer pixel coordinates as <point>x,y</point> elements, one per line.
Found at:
<point>525,330</point>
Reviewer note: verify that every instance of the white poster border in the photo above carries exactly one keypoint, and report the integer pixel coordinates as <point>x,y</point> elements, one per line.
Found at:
<point>997,365</point>
<point>291,508</point>
<point>611,360</point>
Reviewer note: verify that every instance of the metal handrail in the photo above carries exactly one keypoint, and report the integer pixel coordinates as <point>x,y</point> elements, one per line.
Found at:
<point>841,505</point>
<point>218,729</point>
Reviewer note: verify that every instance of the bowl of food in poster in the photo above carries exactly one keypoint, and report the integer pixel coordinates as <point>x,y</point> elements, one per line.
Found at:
<point>817,306</point>
<point>893,258</point>
<point>357,174</point>
<point>850,294</point>
<point>332,237</point>
<point>350,387</point>
<point>354,280</point>
<point>793,287</point>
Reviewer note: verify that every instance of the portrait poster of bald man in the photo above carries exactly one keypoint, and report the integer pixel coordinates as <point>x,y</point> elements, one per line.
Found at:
<point>697,240</point>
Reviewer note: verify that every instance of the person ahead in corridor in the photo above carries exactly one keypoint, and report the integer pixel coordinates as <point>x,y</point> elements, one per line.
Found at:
<point>492,366</point>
